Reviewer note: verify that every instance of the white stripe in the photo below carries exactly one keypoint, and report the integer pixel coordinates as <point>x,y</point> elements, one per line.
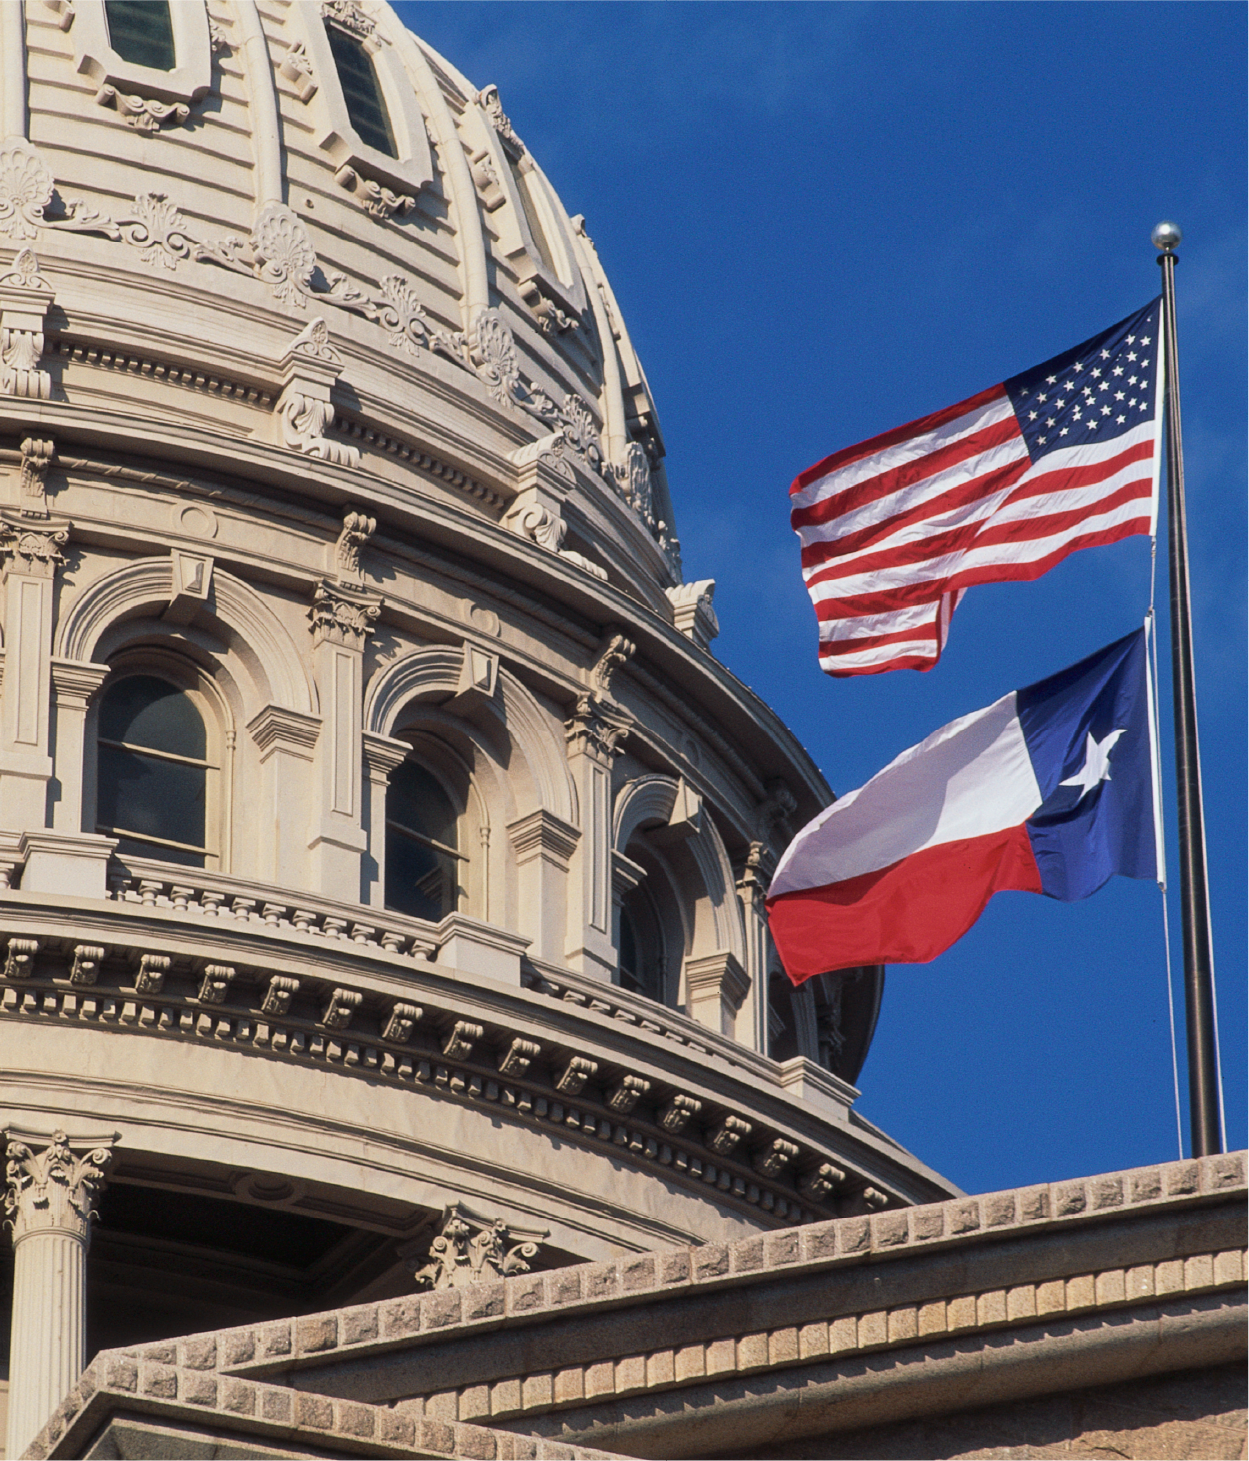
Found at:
<point>881,654</point>
<point>889,458</point>
<point>903,575</point>
<point>881,509</point>
<point>908,617</point>
<point>968,779</point>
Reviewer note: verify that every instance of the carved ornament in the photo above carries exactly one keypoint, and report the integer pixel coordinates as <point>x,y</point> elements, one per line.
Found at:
<point>142,112</point>
<point>342,1005</point>
<point>348,15</point>
<point>156,228</point>
<point>52,1190</point>
<point>85,968</point>
<point>297,68</point>
<point>153,968</point>
<point>376,200</point>
<point>19,958</point>
<point>342,615</point>
<point>488,100</point>
<point>470,1250</point>
<point>33,552</point>
<point>32,486</point>
<point>357,529</point>
<point>278,995</point>
<point>618,650</point>
<point>27,190</point>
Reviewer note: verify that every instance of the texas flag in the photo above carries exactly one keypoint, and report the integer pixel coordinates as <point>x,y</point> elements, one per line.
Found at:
<point>1048,790</point>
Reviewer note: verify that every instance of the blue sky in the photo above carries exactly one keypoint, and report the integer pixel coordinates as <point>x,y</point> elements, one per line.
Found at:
<point>823,220</point>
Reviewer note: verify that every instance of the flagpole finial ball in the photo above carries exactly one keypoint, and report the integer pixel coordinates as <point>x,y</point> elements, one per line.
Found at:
<point>1166,236</point>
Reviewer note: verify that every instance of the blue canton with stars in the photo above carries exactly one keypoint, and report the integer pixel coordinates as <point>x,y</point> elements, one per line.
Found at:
<point>1097,391</point>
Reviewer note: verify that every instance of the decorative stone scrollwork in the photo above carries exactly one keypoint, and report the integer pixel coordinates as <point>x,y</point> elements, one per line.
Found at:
<point>215,983</point>
<point>494,352</point>
<point>297,69</point>
<point>377,201</point>
<point>27,190</point>
<point>217,41</point>
<point>401,1021</point>
<point>348,14</point>
<point>411,329</point>
<point>305,421</point>
<point>278,995</point>
<point>627,1092</point>
<point>340,1009</point>
<point>818,1182</point>
<point>151,974</point>
<point>552,319</point>
<point>723,1138</point>
<point>618,650</point>
<point>342,616</point>
<point>542,526</point>
<point>575,1074</point>
<point>32,484</point>
<point>53,1189</point>
<point>358,528</point>
<point>460,1039</point>
<point>157,230</point>
<point>771,1160</point>
<point>85,968</point>
<point>488,100</point>
<point>142,112</point>
<point>518,1057</point>
<point>19,958</point>
<point>678,1113</point>
<point>487,182</point>
<point>632,479</point>
<point>283,254</point>
<point>470,1250</point>
<point>24,299</point>
<point>692,611</point>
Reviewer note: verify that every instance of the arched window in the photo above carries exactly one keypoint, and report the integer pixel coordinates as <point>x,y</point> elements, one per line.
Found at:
<point>641,949</point>
<point>366,106</point>
<point>425,868</point>
<point>154,771</point>
<point>141,32</point>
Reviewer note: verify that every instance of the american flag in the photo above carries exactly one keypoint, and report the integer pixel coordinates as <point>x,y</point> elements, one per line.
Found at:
<point>1002,486</point>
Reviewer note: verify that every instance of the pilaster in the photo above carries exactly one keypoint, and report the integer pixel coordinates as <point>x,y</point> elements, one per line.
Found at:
<point>716,986</point>
<point>595,734</point>
<point>51,1186</point>
<point>342,618</point>
<point>73,685</point>
<point>752,889</point>
<point>287,741</point>
<point>32,553</point>
<point>543,846</point>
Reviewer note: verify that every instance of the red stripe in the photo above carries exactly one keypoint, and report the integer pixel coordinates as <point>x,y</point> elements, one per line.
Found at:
<point>903,662</point>
<point>984,533</point>
<point>884,484</point>
<point>1086,476</point>
<point>929,591</point>
<point>850,454</point>
<point>904,914</point>
<point>970,491</point>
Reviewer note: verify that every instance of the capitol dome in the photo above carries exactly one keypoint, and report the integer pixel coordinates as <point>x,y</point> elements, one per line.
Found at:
<point>383,847</point>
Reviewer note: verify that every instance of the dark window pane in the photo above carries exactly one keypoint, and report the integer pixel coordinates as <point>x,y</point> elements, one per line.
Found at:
<point>144,795</point>
<point>141,31</point>
<point>145,711</point>
<point>365,104</point>
<point>417,802</point>
<point>420,881</point>
<point>136,847</point>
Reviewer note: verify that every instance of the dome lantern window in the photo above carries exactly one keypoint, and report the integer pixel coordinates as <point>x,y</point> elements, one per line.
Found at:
<point>366,106</point>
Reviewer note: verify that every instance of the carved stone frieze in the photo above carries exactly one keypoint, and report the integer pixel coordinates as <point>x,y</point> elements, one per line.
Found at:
<point>53,1189</point>
<point>470,1249</point>
<point>343,615</point>
<point>157,229</point>
<point>32,484</point>
<point>349,15</point>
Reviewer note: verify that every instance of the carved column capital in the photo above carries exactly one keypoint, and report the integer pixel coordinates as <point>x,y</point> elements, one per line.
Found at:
<point>51,1183</point>
<point>597,729</point>
<point>33,552</point>
<point>25,297</point>
<point>343,615</point>
<point>470,1248</point>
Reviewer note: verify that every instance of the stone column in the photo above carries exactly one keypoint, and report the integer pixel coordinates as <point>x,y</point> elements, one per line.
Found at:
<point>752,889</point>
<point>287,741</point>
<point>543,845</point>
<point>382,754</point>
<point>51,1185</point>
<point>73,685</point>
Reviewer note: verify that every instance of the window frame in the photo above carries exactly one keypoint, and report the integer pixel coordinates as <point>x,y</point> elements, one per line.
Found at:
<point>562,285</point>
<point>218,760</point>
<point>191,77</point>
<point>413,169</point>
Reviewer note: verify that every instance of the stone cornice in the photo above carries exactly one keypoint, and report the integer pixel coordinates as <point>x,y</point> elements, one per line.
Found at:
<point>542,833</point>
<point>275,728</point>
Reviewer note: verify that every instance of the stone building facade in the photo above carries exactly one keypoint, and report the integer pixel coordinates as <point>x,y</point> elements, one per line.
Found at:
<point>382,847</point>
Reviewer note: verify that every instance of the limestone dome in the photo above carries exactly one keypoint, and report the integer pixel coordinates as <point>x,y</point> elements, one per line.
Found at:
<point>382,848</point>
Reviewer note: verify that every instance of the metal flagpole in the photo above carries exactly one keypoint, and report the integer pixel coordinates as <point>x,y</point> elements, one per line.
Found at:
<point>1203,1092</point>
